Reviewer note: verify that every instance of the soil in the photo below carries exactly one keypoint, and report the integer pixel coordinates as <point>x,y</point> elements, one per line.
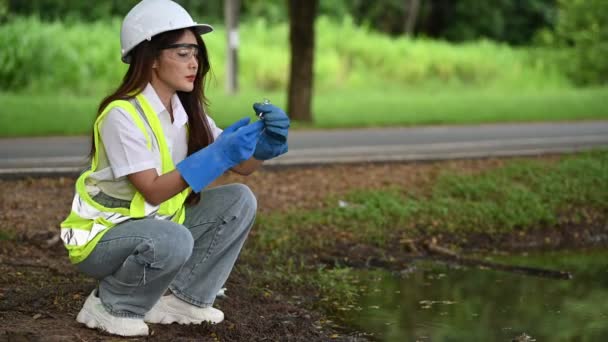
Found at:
<point>41,293</point>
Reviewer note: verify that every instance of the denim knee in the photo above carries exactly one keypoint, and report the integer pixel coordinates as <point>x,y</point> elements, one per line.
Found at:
<point>173,247</point>
<point>246,198</point>
<point>245,206</point>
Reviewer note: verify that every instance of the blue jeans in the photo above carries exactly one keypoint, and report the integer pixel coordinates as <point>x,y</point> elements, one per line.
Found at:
<point>138,260</point>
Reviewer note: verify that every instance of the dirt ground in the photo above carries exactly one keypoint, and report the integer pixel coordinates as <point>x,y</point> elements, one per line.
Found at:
<point>41,293</point>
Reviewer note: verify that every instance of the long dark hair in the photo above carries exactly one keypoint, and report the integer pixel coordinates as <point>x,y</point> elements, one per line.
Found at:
<point>139,75</point>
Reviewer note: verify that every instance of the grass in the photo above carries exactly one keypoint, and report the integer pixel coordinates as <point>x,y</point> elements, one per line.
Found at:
<point>45,115</point>
<point>6,236</point>
<point>398,107</point>
<point>519,197</point>
<point>28,115</point>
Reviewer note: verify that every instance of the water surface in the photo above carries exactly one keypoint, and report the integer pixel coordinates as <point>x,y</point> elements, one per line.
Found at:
<point>438,302</point>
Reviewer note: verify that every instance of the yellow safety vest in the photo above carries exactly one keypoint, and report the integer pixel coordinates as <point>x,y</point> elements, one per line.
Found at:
<point>89,221</point>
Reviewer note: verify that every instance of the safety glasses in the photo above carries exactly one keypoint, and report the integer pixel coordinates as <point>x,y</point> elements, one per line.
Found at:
<point>182,52</point>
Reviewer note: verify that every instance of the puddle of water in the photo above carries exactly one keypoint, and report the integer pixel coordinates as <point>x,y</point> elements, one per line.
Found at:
<point>438,302</point>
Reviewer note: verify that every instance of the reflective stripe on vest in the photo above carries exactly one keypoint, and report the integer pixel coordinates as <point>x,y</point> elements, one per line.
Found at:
<point>88,220</point>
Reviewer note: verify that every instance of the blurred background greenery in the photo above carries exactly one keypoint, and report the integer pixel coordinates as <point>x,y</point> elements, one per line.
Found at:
<point>544,50</point>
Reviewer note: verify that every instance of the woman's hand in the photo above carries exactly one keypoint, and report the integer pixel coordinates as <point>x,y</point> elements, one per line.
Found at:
<point>273,141</point>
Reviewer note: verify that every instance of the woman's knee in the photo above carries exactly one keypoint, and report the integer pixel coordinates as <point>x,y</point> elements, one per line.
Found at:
<point>173,245</point>
<point>245,209</point>
<point>245,196</point>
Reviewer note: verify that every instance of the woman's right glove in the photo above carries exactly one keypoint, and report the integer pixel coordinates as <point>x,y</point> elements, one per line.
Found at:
<point>235,145</point>
<point>273,141</point>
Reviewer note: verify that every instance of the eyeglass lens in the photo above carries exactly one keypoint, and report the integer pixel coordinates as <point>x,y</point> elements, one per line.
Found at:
<point>182,52</point>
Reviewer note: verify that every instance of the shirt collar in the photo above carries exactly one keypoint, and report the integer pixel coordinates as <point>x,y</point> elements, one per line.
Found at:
<point>179,113</point>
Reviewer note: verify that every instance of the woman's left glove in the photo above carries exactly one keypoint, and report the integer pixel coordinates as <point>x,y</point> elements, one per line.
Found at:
<point>235,145</point>
<point>273,141</point>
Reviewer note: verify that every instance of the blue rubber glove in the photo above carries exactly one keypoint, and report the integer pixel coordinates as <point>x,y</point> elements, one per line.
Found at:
<point>269,147</point>
<point>235,145</point>
<point>276,122</point>
<point>273,141</point>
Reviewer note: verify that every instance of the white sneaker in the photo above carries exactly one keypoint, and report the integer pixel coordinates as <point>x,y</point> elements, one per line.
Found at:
<point>170,309</point>
<point>94,315</point>
<point>222,293</point>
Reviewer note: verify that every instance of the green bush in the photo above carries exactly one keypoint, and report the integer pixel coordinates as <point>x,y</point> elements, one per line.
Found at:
<point>582,30</point>
<point>513,22</point>
<point>59,56</point>
<point>83,58</point>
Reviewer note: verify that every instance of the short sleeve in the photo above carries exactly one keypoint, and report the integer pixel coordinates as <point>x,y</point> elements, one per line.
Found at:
<point>125,144</point>
<point>216,131</point>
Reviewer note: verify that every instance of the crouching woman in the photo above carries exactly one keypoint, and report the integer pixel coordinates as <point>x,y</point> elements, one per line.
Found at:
<point>143,221</point>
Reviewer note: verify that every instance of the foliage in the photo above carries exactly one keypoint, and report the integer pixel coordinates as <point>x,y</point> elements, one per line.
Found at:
<point>272,11</point>
<point>58,58</point>
<point>367,56</point>
<point>3,9</point>
<point>582,30</point>
<point>514,22</point>
<point>508,21</point>
<point>70,9</point>
<point>78,10</point>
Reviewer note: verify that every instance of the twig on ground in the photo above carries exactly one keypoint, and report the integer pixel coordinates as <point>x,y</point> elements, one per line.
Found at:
<point>449,255</point>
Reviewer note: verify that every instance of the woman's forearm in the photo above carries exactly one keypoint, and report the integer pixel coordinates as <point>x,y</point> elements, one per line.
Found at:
<point>157,189</point>
<point>247,167</point>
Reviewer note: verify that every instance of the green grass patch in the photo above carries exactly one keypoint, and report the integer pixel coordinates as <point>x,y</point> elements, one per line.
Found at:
<point>399,107</point>
<point>43,115</point>
<point>6,236</point>
<point>522,196</point>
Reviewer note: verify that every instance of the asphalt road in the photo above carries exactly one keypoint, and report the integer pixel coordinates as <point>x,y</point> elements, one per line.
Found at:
<point>67,155</point>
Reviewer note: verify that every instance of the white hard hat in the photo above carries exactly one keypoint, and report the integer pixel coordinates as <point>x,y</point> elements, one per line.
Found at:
<point>151,17</point>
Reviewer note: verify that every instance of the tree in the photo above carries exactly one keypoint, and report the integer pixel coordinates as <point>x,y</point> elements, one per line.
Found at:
<point>302,15</point>
<point>411,14</point>
<point>513,22</point>
<point>582,31</point>
<point>231,18</point>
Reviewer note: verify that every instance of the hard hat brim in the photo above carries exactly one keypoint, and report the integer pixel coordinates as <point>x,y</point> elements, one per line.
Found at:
<point>201,29</point>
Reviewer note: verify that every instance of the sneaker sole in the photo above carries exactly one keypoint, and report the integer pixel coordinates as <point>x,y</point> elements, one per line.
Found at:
<point>174,318</point>
<point>89,320</point>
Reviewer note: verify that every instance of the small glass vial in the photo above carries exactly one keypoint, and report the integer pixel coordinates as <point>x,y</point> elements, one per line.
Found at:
<point>265,101</point>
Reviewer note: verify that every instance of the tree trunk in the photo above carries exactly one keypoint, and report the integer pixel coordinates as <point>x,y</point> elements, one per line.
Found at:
<point>302,41</point>
<point>412,7</point>
<point>231,19</point>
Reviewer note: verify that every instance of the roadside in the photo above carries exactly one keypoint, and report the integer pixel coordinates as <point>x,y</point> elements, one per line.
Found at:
<point>279,290</point>
<point>57,156</point>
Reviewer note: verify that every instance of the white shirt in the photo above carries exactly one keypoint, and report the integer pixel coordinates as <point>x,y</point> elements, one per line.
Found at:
<point>123,148</point>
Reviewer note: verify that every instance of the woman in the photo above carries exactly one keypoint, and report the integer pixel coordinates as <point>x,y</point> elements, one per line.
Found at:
<point>142,222</point>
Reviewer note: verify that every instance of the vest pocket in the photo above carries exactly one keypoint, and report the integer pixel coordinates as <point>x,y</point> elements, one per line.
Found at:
<point>111,202</point>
